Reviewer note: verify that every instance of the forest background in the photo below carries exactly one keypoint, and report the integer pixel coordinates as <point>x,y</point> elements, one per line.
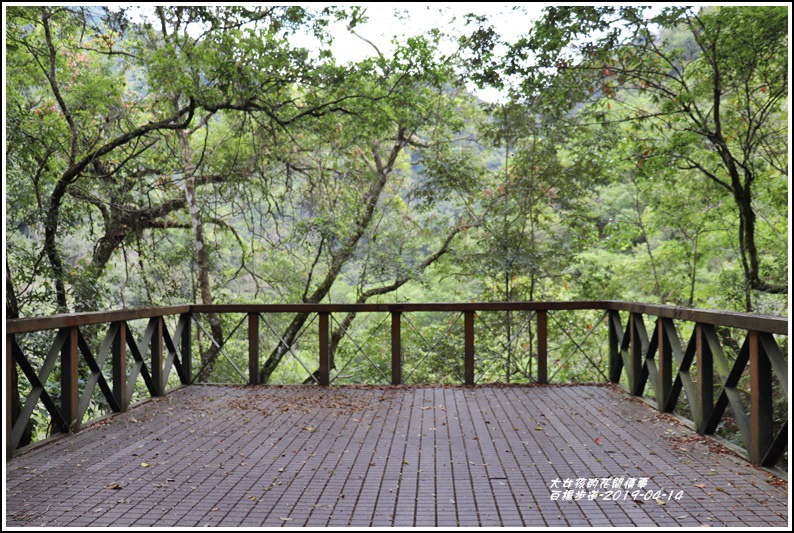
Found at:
<point>198,154</point>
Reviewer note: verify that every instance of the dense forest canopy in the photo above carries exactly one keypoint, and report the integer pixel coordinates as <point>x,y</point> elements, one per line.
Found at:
<point>200,155</point>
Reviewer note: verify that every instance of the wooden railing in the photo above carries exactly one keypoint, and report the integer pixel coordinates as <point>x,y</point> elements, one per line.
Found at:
<point>709,379</point>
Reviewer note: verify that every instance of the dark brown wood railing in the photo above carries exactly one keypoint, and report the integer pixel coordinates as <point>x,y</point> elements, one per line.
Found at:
<point>699,368</point>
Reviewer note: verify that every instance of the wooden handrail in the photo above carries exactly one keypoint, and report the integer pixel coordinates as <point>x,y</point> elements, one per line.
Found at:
<point>643,354</point>
<point>768,324</point>
<point>26,325</point>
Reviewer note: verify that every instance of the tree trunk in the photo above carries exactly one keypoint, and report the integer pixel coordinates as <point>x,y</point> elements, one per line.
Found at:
<point>51,245</point>
<point>641,225</point>
<point>693,271</point>
<point>339,333</point>
<point>341,256</point>
<point>202,259</point>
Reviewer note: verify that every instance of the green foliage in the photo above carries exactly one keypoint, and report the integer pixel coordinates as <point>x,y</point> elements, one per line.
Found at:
<point>608,175</point>
<point>698,90</point>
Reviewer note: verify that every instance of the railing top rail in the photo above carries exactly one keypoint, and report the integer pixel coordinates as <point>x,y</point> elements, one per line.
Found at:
<point>747,321</point>
<point>23,325</point>
<point>399,307</point>
<point>769,324</point>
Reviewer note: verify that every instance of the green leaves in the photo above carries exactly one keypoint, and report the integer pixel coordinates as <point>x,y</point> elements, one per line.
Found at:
<point>610,104</point>
<point>707,85</point>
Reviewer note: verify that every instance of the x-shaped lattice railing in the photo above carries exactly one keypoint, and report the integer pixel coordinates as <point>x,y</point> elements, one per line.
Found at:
<point>505,347</point>
<point>359,348</point>
<point>578,346</point>
<point>289,346</point>
<point>646,358</point>
<point>70,344</point>
<point>710,380</point>
<point>431,348</point>
<point>219,347</point>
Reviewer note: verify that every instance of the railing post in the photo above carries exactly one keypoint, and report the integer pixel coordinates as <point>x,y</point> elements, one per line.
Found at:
<point>186,347</point>
<point>9,370</point>
<point>468,336</point>
<point>253,348</point>
<point>543,376</point>
<point>69,392</point>
<point>615,333</point>
<point>631,364</point>
<point>636,353</point>
<point>156,352</point>
<point>665,364</point>
<point>119,355</point>
<point>705,381</point>
<point>325,355</point>
<point>760,400</point>
<point>396,349</point>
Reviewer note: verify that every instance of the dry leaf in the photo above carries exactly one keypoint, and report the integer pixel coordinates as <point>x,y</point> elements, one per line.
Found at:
<point>285,519</point>
<point>660,501</point>
<point>145,465</point>
<point>114,486</point>
<point>700,485</point>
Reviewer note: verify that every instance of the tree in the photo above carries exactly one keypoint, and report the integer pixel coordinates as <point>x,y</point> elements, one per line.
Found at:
<point>63,73</point>
<point>411,96</point>
<point>717,82</point>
